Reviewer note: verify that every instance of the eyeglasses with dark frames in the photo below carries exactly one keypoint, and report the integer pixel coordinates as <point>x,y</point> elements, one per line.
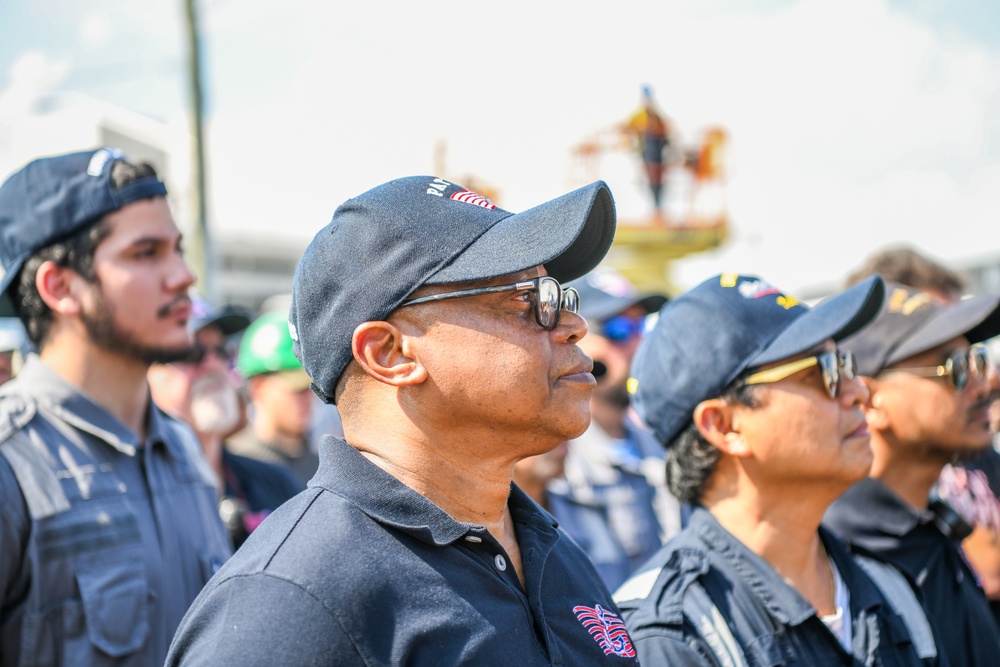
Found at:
<point>956,367</point>
<point>200,352</point>
<point>550,298</point>
<point>833,366</point>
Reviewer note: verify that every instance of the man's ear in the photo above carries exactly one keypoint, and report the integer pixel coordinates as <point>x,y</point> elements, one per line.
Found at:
<point>384,353</point>
<point>59,288</point>
<point>718,423</point>
<point>875,414</point>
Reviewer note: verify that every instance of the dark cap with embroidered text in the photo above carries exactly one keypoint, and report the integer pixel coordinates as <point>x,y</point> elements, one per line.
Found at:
<point>707,337</point>
<point>912,321</point>
<point>384,244</point>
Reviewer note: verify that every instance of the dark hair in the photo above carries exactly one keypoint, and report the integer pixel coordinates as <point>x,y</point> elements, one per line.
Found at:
<point>74,252</point>
<point>691,458</point>
<point>907,266</point>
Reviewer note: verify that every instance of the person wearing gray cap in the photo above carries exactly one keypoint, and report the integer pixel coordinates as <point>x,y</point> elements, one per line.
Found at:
<point>438,324</point>
<point>764,426</point>
<point>929,404</point>
<point>108,519</point>
<point>612,496</point>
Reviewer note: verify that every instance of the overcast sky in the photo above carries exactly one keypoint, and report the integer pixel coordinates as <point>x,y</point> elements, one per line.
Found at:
<point>853,124</point>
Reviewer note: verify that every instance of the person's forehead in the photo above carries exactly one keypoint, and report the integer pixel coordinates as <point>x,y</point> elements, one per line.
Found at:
<point>143,218</point>
<point>209,334</point>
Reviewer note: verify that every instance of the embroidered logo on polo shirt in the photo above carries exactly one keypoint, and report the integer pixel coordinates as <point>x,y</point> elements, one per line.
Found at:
<point>470,197</point>
<point>607,630</point>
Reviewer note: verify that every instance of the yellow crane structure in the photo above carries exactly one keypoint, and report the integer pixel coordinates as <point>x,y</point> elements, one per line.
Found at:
<point>687,184</point>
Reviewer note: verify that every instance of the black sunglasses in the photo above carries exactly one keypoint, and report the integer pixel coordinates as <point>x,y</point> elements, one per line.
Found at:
<point>550,298</point>
<point>199,351</point>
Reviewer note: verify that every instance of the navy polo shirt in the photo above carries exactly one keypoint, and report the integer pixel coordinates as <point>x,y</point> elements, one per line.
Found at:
<point>360,569</point>
<point>770,621</point>
<point>875,520</point>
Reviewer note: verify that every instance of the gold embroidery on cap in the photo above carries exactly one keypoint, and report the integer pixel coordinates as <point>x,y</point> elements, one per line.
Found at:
<point>787,302</point>
<point>900,301</point>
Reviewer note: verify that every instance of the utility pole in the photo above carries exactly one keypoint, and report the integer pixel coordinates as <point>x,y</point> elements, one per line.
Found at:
<point>200,246</point>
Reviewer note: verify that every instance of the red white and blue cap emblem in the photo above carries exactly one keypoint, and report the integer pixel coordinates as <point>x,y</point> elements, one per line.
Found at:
<point>470,197</point>
<point>607,630</point>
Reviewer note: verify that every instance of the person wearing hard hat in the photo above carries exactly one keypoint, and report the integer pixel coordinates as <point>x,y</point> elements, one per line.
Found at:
<point>280,401</point>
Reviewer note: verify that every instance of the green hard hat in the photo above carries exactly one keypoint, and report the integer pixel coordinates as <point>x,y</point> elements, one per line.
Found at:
<point>266,346</point>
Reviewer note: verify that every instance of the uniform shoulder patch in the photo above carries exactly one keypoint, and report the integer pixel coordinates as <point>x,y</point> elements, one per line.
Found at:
<point>607,630</point>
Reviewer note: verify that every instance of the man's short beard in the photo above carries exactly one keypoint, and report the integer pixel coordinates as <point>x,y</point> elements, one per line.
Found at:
<point>104,332</point>
<point>615,395</point>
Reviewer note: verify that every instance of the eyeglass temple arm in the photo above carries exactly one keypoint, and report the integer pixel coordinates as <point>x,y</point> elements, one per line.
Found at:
<point>781,372</point>
<point>469,292</point>
<point>919,371</point>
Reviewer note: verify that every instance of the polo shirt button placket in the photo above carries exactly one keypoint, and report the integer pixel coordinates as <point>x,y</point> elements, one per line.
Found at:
<point>500,562</point>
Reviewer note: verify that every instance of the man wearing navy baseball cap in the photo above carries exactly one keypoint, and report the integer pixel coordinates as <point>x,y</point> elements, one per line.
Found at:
<point>439,325</point>
<point>764,424</point>
<point>108,517</point>
<point>930,397</point>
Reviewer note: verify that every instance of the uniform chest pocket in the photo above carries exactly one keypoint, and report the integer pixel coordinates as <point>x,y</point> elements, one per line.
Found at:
<point>107,622</point>
<point>115,602</point>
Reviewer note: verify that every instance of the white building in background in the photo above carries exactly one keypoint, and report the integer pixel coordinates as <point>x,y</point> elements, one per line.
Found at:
<point>250,271</point>
<point>246,271</point>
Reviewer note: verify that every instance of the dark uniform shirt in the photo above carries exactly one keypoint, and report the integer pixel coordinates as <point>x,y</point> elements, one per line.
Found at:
<point>972,488</point>
<point>104,540</point>
<point>360,569</point>
<point>769,620</point>
<point>613,501</point>
<point>875,520</point>
<point>253,489</point>
<point>303,467</point>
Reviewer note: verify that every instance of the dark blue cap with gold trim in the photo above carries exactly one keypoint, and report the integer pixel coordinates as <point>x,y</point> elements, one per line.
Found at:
<point>704,339</point>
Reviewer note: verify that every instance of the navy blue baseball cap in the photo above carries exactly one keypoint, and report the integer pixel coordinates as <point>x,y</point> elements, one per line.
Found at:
<point>912,321</point>
<point>604,293</point>
<point>52,197</point>
<point>386,243</point>
<point>709,336</point>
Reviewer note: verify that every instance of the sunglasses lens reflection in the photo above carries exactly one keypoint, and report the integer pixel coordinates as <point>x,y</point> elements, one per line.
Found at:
<point>829,366</point>
<point>547,306</point>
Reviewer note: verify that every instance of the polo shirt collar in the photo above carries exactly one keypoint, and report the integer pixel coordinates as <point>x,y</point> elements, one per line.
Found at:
<point>345,471</point>
<point>68,402</point>
<point>883,509</point>
<point>782,601</point>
